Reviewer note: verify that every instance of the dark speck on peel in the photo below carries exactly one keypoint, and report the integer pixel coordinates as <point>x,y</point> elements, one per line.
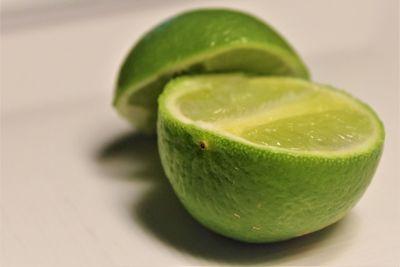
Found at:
<point>203,145</point>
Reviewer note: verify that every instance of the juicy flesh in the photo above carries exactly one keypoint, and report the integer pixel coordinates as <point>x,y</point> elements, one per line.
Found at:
<point>278,112</point>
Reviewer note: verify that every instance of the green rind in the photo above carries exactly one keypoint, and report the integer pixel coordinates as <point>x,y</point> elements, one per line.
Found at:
<point>189,39</point>
<point>260,195</point>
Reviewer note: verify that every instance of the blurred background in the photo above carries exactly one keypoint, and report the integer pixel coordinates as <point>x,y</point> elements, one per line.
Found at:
<point>80,188</point>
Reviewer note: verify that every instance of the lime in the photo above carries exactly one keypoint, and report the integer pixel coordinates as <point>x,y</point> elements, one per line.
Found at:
<point>262,159</point>
<point>199,41</point>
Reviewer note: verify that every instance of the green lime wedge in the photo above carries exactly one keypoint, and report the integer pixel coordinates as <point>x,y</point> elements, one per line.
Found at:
<point>263,159</point>
<point>199,41</point>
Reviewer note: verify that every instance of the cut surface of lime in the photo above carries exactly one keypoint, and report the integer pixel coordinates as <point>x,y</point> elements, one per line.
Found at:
<point>285,113</point>
<point>199,41</point>
<point>262,159</point>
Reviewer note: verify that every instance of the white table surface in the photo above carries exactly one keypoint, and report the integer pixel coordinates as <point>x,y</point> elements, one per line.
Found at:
<point>80,188</point>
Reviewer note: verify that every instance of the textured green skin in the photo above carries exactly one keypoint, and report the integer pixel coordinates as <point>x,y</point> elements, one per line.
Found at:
<point>190,36</point>
<point>259,195</point>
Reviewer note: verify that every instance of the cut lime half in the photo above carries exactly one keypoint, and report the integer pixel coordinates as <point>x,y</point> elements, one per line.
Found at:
<point>262,159</point>
<point>199,41</point>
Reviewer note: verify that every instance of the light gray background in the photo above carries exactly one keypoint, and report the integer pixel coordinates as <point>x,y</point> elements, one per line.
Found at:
<point>79,189</point>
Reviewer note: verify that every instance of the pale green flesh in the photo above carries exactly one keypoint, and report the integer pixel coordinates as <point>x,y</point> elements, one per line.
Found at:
<point>277,112</point>
<point>140,105</point>
<point>251,59</point>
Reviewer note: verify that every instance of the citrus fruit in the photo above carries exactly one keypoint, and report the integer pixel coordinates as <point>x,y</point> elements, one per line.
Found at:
<point>262,159</point>
<point>199,41</point>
